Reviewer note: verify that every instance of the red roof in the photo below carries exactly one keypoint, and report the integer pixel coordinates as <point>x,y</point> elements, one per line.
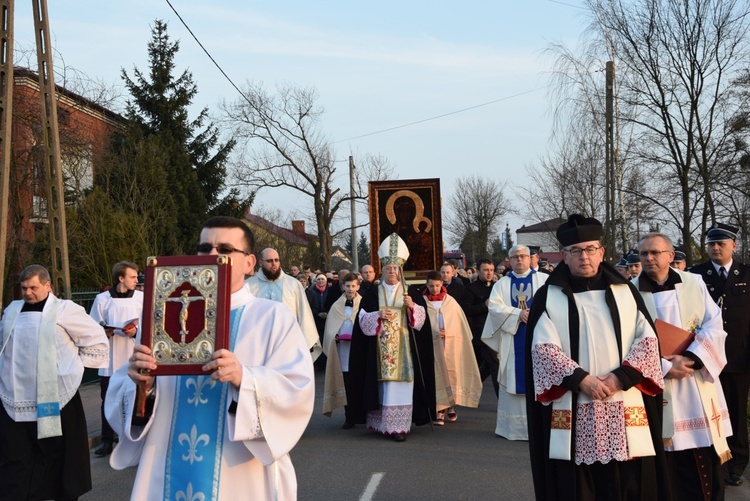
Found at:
<point>293,238</point>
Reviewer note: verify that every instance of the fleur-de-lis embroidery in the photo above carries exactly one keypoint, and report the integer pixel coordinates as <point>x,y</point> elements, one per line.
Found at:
<point>200,383</point>
<point>193,441</point>
<point>187,494</point>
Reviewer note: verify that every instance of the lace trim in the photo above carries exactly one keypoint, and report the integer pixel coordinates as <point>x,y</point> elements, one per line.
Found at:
<point>550,366</point>
<point>369,322</point>
<point>644,357</point>
<point>95,354</point>
<point>700,423</point>
<point>29,407</point>
<point>390,419</point>
<point>600,433</point>
<point>707,345</point>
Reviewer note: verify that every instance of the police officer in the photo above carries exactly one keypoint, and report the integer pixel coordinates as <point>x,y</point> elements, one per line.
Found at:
<point>678,262</point>
<point>727,282</point>
<point>633,261</point>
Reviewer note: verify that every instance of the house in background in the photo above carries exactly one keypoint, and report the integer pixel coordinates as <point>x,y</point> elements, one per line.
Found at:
<point>85,128</point>
<point>542,235</point>
<point>295,246</point>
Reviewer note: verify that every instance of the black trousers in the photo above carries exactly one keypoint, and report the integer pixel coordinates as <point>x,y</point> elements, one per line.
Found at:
<point>696,474</point>
<point>348,412</point>
<point>51,468</point>
<point>736,386</point>
<point>108,434</point>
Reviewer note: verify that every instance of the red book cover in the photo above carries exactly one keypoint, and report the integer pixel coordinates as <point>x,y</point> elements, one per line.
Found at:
<point>187,300</point>
<point>673,340</point>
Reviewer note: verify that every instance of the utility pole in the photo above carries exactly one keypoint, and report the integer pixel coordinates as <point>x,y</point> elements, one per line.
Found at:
<point>355,254</point>
<point>609,224</point>
<point>6,114</point>
<point>60,269</point>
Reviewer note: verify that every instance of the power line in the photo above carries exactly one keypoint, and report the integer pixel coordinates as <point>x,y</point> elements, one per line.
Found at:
<point>441,116</point>
<point>363,135</point>
<point>567,4</point>
<point>206,51</point>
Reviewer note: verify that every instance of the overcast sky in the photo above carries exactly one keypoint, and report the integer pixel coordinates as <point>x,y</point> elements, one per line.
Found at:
<point>376,65</point>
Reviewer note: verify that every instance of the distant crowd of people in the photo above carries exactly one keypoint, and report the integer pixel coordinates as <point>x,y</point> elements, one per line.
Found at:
<point>628,381</point>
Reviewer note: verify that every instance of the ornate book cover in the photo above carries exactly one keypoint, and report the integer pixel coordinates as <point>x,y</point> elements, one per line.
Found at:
<point>186,307</point>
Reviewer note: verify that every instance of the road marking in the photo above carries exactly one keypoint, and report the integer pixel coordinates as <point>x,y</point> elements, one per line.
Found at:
<point>372,486</point>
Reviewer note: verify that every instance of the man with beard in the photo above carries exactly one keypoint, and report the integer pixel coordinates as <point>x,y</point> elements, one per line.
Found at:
<point>272,283</point>
<point>727,281</point>
<point>45,343</point>
<point>474,303</point>
<point>594,380</point>
<point>696,419</point>
<point>391,360</point>
<point>505,332</point>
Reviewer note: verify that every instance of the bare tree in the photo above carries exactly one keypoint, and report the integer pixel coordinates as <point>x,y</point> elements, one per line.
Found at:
<point>474,214</point>
<point>676,63</point>
<point>284,147</point>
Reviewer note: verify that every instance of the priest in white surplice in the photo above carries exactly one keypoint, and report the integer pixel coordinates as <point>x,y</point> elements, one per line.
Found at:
<point>116,307</point>
<point>272,283</point>
<point>45,343</point>
<point>227,434</point>
<point>594,380</point>
<point>505,332</point>
<point>696,419</point>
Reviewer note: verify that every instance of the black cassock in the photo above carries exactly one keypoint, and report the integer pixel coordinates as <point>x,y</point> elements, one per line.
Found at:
<point>644,478</point>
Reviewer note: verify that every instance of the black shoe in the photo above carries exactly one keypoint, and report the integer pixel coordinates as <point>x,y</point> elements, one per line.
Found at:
<point>104,449</point>
<point>399,437</point>
<point>347,425</point>
<point>734,480</point>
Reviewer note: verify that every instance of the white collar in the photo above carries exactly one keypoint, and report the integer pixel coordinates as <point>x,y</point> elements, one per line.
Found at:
<point>727,266</point>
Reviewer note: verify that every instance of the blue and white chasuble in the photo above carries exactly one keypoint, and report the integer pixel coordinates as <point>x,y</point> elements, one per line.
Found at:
<point>193,466</point>
<point>521,286</point>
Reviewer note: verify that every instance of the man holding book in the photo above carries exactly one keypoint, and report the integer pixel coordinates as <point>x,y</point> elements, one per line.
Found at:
<point>115,309</point>
<point>696,420</point>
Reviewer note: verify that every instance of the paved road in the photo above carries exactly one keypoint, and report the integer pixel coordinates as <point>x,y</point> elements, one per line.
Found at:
<point>462,460</point>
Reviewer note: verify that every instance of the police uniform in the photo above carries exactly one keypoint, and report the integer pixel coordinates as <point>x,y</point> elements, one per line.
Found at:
<point>535,250</point>
<point>733,297</point>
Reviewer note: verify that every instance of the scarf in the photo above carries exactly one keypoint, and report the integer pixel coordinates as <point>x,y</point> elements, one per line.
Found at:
<point>440,296</point>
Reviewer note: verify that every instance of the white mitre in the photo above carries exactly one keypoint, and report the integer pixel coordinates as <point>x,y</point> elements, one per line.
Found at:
<point>393,250</point>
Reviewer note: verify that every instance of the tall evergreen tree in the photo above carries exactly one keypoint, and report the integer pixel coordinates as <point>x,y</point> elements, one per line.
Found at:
<point>192,157</point>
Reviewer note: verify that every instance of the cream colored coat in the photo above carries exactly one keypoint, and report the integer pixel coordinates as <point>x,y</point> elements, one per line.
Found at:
<point>457,380</point>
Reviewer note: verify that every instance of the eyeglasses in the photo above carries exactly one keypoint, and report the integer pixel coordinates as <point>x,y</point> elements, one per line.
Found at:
<point>206,248</point>
<point>271,261</point>
<point>653,253</point>
<point>520,256</point>
<point>577,251</point>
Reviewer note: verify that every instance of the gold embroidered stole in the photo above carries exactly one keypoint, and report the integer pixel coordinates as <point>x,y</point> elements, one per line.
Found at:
<point>394,353</point>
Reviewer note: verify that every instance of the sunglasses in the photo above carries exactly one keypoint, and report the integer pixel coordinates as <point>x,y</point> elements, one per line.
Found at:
<point>206,248</point>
